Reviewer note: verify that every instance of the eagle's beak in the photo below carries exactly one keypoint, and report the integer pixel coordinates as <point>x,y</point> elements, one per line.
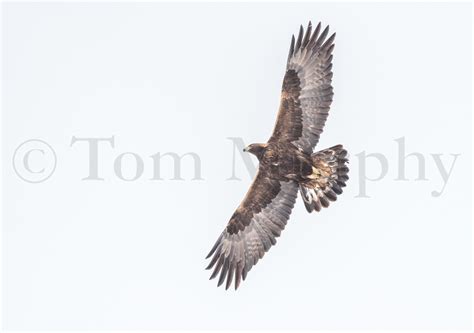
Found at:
<point>246,149</point>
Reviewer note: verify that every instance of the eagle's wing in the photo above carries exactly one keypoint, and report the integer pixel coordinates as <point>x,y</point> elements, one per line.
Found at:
<point>252,229</point>
<point>307,92</point>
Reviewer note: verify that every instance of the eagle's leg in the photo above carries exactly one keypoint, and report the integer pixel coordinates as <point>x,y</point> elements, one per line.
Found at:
<point>327,179</point>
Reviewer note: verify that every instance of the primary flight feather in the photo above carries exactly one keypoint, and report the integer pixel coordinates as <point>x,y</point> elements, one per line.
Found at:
<point>286,162</point>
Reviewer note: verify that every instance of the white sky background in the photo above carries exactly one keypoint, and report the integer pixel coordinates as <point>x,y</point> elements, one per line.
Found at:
<point>183,77</point>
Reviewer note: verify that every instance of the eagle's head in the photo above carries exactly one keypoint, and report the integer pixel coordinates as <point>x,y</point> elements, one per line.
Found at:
<point>258,149</point>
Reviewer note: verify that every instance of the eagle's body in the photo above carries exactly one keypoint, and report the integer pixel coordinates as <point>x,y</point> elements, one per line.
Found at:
<point>286,162</point>
<point>282,160</point>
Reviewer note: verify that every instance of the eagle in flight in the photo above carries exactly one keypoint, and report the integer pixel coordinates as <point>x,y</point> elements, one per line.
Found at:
<point>286,162</point>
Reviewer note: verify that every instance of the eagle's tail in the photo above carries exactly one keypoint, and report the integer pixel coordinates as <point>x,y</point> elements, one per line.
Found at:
<point>327,180</point>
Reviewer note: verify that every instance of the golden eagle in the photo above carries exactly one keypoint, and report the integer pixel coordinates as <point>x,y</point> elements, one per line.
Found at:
<point>286,161</point>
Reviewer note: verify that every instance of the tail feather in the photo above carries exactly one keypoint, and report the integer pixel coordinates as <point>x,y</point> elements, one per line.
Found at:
<point>327,180</point>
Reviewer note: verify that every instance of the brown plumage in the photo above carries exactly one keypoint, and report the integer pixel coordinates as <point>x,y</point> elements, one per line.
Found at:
<point>286,161</point>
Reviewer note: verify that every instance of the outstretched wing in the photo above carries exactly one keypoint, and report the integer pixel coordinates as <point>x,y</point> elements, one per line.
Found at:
<point>253,228</point>
<point>307,92</point>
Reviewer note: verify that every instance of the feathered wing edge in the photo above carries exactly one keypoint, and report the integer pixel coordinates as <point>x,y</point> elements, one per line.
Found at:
<point>307,91</point>
<point>234,254</point>
<point>311,42</point>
